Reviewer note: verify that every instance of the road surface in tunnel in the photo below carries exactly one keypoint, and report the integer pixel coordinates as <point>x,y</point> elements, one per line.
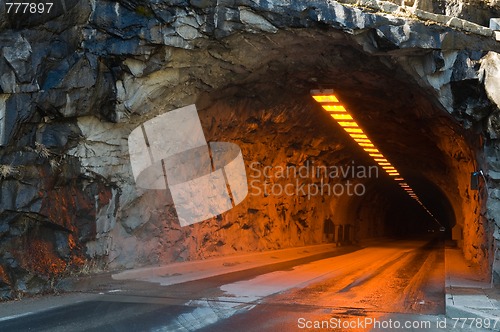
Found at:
<point>379,281</point>
<point>383,282</point>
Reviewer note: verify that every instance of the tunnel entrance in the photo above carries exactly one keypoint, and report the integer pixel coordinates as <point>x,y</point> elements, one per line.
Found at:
<point>272,116</point>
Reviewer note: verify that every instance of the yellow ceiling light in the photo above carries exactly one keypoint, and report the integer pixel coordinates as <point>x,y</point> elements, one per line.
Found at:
<point>388,167</point>
<point>358,136</point>
<point>384,164</point>
<point>334,108</point>
<point>326,98</point>
<point>378,155</point>
<point>381,160</point>
<point>366,145</point>
<point>341,116</point>
<point>363,140</point>
<point>371,150</point>
<point>354,130</point>
<point>347,123</point>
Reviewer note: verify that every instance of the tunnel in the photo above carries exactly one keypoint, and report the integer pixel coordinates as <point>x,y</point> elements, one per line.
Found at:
<point>279,127</point>
<point>254,90</point>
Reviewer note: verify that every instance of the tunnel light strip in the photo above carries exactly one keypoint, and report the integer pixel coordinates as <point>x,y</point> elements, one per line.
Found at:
<point>325,98</point>
<point>334,108</point>
<point>331,103</point>
<point>342,116</point>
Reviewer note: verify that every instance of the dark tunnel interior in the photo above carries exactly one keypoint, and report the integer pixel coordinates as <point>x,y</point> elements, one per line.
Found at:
<point>273,117</point>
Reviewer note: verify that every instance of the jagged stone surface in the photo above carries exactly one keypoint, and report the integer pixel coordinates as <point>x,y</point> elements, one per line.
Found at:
<point>75,83</point>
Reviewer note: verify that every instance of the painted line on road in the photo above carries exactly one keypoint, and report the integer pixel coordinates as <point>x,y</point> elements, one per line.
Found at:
<point>2,319</point>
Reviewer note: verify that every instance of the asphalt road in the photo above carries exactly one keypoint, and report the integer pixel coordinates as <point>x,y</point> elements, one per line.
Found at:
<point>397,281</point>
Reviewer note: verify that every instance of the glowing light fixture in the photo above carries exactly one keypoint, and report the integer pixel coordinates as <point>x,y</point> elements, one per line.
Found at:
<point>341,116</point>
<point>358,136</point>
<point>335,108</point>
<point>348,124</point>
<point>353,130</point>
<point>326,98</point>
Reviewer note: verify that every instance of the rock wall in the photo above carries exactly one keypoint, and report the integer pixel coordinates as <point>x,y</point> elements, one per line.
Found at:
<point>75,83</point>
<point>475,11</point>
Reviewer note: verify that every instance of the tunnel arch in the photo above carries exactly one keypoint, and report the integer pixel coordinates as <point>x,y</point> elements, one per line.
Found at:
<point>406,121</point>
